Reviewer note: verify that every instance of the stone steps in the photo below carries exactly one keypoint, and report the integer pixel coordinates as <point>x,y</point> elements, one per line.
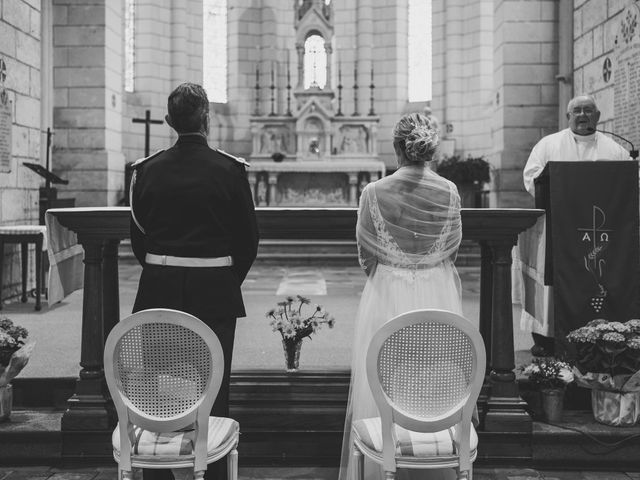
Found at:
<point>309,431</point>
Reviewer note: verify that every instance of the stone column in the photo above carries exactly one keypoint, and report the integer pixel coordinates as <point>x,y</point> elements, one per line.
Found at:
<point>329,50</point>
<point>88,408</point>
<point>300,51</point>
<point>252,183</point>
<point>525,91</point>
<point>506,411</point>
<point>353,189</point>
<point>273,184</point>
<point>88,100</point>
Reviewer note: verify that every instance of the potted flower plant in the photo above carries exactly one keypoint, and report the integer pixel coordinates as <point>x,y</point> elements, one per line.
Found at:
<point>469,174</point>
<point>14,355</point>
<point>551,376</point>
<point>296,319</point>
<point>608,362</point>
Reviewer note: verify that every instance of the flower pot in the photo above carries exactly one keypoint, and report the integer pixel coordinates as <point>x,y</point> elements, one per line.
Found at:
<point>292,353</point>
<point>6,401</point>
<point>552,403</point>
<point>619,409</point>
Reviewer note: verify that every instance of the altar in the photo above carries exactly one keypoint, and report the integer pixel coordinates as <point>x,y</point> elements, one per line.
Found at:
<point>312,154</point>
<point>311,183</point>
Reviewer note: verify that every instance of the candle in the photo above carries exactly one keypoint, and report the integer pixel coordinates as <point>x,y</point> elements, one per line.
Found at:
<point>288,69</point>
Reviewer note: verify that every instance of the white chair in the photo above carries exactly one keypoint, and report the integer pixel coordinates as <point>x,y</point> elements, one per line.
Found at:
<point>425,369</point>
<point>164,369</point>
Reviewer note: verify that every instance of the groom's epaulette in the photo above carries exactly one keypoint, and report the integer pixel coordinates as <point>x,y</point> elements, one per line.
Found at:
<point>233,157</point>
<point>140,161</point>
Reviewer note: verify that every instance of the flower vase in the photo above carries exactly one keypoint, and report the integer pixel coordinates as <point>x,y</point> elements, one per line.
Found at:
<point>552,400</point>
<point>6,401</point>
<point>292,353</point>
<point>619,409</point>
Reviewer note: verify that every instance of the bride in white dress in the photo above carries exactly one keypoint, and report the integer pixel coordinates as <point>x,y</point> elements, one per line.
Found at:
<point>408,233</point>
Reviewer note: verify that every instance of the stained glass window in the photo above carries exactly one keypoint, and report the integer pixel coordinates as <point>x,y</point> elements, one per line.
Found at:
<point>419,50</point>
<point>315,62</point>
<point>129,44</point>
<point>214,50</point>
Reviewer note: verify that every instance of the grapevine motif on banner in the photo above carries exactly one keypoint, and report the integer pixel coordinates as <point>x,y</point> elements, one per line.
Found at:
<point>597,239</point>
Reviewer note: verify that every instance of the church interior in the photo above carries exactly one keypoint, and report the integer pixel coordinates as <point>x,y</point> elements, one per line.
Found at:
<point>308,93</point>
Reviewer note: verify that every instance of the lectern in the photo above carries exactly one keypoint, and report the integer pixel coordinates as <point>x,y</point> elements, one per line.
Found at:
<point>48,194</point>
<point>592,241</point>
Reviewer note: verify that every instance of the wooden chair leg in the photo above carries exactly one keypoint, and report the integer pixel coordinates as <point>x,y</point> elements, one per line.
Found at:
<point>232,465</point>
<point>38,270</point>
<point>358,464</point>
<point>124,474</point>
<point>24,248</point>
<point>464,474</point>
<point>1,269</point>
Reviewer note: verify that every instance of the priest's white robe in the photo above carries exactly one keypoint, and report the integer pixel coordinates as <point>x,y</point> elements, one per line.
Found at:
<point>529,289</point>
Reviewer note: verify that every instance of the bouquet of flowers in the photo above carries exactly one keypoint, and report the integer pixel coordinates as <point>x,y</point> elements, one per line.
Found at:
<point>296,319</point>
<point>14,350</point>
<point>608,355</point>
<point>549,373</point>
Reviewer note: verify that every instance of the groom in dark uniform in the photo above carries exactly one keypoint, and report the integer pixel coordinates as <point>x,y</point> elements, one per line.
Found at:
<point>194,231</point>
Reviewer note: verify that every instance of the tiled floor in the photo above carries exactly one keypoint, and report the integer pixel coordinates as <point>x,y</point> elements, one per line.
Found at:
<point>110,473</point>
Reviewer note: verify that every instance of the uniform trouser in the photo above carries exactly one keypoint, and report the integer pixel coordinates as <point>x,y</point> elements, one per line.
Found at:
<point>225,331</point>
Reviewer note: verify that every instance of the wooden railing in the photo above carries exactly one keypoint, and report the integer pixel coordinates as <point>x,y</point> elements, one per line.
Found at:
<point>89,417</point>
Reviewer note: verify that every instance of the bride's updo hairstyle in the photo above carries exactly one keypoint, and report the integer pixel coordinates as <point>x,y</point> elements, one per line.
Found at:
<point>417,137</point>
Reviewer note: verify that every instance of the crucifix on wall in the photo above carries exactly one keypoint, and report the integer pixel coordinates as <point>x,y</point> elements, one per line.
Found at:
<point>147,120</point>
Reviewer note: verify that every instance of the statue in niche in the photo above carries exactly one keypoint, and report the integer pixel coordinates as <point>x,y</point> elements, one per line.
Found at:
<point>273,140</point>
<point>261,191</point>
<point>314,136</point>
<point>364,180</point>
<point>354,139</point>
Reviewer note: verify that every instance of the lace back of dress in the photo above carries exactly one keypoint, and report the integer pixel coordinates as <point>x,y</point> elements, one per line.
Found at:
<point>437,246</point>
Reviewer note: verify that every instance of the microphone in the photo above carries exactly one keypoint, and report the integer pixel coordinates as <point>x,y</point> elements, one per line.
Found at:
<point>633,153</point>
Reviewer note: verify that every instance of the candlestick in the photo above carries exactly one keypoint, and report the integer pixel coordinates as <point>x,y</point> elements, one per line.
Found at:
<point>257,88</point>
<point>273,90</point>
<point>288,87</point>
<point>355,89</point>
<point>371,87</point>
<point>339,112</point>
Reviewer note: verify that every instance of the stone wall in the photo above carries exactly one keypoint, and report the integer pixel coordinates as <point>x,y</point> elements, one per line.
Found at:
<point>20,51</point>
<point>463,74</point>
<point>88,100</point>
<point>168,51</point>
<point>596,26</point>
<point>526,91</point>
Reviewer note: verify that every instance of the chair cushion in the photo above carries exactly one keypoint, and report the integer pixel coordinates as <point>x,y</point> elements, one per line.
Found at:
<point>411,444</point>
<point>175,444</point>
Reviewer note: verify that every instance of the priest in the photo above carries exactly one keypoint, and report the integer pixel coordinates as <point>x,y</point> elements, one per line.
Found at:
<point>579,142</point>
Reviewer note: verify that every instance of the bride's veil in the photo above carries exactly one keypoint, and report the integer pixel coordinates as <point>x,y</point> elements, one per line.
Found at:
<point>410,217</point>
